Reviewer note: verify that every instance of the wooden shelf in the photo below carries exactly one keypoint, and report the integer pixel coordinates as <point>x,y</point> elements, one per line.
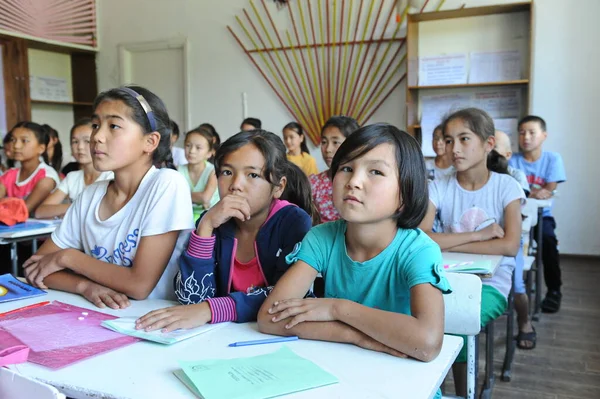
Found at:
<point>89,104</point>
<point>467,85</point>
<point>470,12</point>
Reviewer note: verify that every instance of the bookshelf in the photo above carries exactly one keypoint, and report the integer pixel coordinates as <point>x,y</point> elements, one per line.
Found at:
<point>480,29</point>
<point>76,65</point>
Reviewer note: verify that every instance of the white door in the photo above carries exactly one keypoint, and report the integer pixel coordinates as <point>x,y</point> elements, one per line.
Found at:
<point>160,67</point>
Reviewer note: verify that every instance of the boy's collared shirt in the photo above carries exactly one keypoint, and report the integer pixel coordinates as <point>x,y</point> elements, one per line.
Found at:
<point>549,168</point>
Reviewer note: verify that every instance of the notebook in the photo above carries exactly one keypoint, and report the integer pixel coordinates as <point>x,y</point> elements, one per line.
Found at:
<point>126,325</point>
<point>473,267</point>
<point>258,377</point>
<point>12,289</point>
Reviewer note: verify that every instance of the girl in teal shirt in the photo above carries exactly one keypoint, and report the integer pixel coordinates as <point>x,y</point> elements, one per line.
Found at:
<point>383,276</point>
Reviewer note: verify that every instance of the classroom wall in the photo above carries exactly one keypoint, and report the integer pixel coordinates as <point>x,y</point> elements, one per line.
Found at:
<point>565,88</point>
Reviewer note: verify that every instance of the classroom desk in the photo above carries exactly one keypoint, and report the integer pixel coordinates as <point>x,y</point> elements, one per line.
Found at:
<point>144,369</point>
<point>464,257</point>
<point>539,274</point>
<point>12,238</point>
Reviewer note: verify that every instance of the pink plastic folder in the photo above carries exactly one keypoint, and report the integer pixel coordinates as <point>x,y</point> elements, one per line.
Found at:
<point>59,334</point>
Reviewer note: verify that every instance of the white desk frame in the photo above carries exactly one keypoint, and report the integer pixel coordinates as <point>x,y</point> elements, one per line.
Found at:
<point>145,369</point>
<point>8,238</point>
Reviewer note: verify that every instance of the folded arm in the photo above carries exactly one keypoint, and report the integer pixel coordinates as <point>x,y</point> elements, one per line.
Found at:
<point>419,336</point>
<point>136,282</point>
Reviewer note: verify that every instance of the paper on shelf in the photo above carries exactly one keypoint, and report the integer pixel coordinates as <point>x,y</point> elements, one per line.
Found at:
<point>494,66</point>
<point>47,88</point>
<point>447,69</point>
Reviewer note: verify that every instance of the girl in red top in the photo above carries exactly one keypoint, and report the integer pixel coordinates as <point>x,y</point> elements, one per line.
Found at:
<point>333,134</point>
<point>34,180</point>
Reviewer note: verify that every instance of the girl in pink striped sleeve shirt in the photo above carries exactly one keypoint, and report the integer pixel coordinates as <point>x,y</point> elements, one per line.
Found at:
<point>238,250</point>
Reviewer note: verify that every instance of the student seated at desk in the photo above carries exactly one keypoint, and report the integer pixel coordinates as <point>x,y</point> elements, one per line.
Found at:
<point>441,165</point>
<point>198,172</point>
<point>333,134</point>
<point>75,182</point>
<point>544,170</point>
<point>119,237</point>
<point>238,250</point>
<point>479,212</point>
<point>298,153</point>
<point>34,179</point>
<point>383,277</point>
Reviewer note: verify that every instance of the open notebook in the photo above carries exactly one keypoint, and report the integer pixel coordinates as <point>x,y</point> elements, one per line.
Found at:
<point>126,325</point>
<point>473,267</point>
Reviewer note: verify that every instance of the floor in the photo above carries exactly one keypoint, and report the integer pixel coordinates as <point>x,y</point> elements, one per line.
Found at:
<point>566,362</point>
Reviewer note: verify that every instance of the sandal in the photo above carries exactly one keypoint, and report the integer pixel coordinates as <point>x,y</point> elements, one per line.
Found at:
<point>527,336</point>
<point>551,304</point>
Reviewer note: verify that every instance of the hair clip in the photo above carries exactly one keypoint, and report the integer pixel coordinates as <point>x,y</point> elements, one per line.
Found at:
<point>145,105</point>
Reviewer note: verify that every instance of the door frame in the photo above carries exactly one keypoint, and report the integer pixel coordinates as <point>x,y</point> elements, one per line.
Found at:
<point>126,50</point>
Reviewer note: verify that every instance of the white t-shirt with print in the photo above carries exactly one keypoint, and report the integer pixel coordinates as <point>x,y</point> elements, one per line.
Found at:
<point>162,203</point>
<point>433,172</point>
<point>74,183</point>
<point>461,211</point>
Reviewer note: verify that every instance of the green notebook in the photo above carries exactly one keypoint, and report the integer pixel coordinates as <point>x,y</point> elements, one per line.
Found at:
<point>258,377</point>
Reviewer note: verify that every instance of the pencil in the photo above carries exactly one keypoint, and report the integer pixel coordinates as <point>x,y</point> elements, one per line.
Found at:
<point>35,305</point>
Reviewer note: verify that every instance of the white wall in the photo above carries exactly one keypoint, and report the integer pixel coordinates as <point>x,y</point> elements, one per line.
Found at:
<point>565,84</point>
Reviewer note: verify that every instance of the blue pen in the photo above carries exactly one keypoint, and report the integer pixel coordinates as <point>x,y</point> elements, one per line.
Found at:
<point>264,341</point>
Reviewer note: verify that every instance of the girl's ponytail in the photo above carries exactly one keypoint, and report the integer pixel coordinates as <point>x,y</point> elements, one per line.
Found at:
<point>298,191</point>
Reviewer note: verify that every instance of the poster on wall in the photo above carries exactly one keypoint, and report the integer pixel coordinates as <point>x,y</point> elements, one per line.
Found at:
<point>46,88</point>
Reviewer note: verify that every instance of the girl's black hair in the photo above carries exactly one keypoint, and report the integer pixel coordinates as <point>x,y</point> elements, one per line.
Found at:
<point>497,163</point>
<point>162,155</point>
<point>204,133</point>
<point>174,128</point>
<point>86,121</point>
<point>254,122</point>
<point>216,136</point>
<point>297,189</point>
<point>57,156</point>
<point>10,163</point>
<point>345,124</point>
<point>296,127</point>
<point>477,120</point>
<point>412,178</point>
<point>39,131</point>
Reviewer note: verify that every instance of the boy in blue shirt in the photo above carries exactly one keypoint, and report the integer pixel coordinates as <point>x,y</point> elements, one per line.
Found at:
<point>544,170</point>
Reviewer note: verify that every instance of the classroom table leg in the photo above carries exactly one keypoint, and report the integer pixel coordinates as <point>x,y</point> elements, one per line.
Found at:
<point>538,264</point>
<point>14,258</point>
<point>488,384</point>
<point>34,247</point>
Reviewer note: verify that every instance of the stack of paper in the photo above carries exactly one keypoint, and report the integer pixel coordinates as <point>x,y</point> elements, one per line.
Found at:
<point>126,325</point>
<point>266,376</point>
<point>474,267</point>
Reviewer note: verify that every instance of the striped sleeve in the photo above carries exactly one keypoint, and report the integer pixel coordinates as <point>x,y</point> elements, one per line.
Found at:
<point>200,247</point>
<point>222,309</point>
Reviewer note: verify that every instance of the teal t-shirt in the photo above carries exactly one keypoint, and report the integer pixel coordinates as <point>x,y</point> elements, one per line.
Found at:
<point>383,282</point>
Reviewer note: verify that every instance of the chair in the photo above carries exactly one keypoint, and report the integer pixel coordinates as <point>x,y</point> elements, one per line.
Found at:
<point>530,212</point>
<point>462,310</point>
<point>16,386</point>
